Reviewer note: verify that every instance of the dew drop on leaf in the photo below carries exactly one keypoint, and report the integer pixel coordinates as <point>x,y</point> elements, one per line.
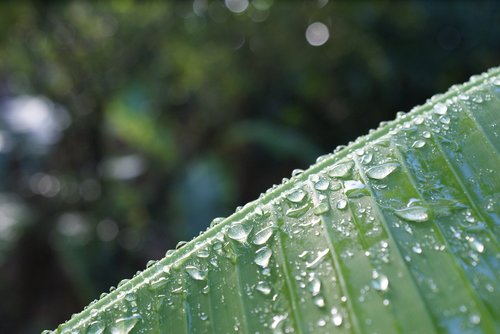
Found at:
<point>418,144</point>
<point>314,286</point>
<point>97,327</point>
<point>263,287</point>
<point>296,196</point>
<point>262,236</point>
<point>125,325</point>
<point>196,273</point>
<point>415,214</point>
<point>380,282</point>
<point>341,204</point>
<point>381,171</point>
<point>262,256</point>
<point>440,108</point>
<point>238,232</point>
<point>341,170</point>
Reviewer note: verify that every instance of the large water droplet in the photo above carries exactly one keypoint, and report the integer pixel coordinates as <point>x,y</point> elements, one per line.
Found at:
<point>196,273</point>
<point>354,188</point>
<point>416,214</point>
<point>262,236</point>
<point>296,196</point>
<point>321,184</point>
<point>341,170</point>
<point>263,287</point>
<point>238,232</point>
<point>125,325</point>
<point>262,256</point>
<point>381,171</point>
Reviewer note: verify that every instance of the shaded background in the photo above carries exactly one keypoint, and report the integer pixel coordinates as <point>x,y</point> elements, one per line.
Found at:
<point>127,127</point>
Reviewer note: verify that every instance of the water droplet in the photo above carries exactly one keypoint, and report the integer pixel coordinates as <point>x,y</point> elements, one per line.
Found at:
<point>196,273</point>
<point>262,256</point>
<point>180,244</point>
<point>444,120</point>
<point>321,208</point>
<point>296,172</point>
<point>475,319</point>
<point>417,249</point>
<point>297,212</point>
<point>263,287</point>
<point>97,327</point>
<point>341,170</point>
<point>440,108</point>
<point>262,236</point>
<point>341,204</point>
<point>336,318</point>
<point>318,259</point>
<point>381,171</point>
<point>496,81</point>
<point>463,97</point>
<point>314,286</point>
<point>217,221</point>
<point>322,184</point>
<point>296,196</point>
<point>380,282</point>
<point>125,325</point>
<point>476,244</point>
<point>354,188</point>
<point>418,144</point>
<point>319,301</point>
<point>238,232</point>
<point>426,134</point>
<point>416,214</point>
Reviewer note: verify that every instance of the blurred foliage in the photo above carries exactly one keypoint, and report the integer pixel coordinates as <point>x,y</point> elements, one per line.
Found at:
<point>126,127</point>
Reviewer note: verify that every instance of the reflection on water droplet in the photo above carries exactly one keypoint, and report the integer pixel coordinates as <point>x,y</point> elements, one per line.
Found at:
<point>416,214</point>
<point>341,170</point>
<point>125,325</point>
<point>263,287</point>
<point>337,319</point>
<point>341,204</point>
<point>440,108</point>
<point>196,273</point>
<point>238,232</point>
<point>262,236</point>
<point>262,256</point>
<point>296,196</point>
<point>381,171</point>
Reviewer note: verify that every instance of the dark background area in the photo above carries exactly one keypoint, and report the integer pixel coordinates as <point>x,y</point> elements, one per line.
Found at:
<point>127,127</point>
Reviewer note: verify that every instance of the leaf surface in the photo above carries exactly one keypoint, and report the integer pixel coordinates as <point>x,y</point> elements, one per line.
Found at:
<point>397,232</point>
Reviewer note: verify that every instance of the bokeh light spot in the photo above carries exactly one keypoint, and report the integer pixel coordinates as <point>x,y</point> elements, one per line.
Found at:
<point>317,34</point>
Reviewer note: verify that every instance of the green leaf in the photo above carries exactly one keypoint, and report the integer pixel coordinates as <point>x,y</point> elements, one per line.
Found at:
<point>396,232</point>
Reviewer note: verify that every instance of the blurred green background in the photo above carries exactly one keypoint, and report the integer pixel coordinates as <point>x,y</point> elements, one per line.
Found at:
<point>126,127</point>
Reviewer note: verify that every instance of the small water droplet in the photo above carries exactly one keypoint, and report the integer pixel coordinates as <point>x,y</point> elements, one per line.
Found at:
<point>354,188</point>
<point>296,196</point>
<point>341,170</point>
<point>463,97</point>
<point>418,144</point>
<point>440,108</point>
<point>381,171</point>
<point>296,172</point>
<point>263,287</point>
<point>416,214</point>
<point>321,208</point>
<point>341,204</point>
<point>314,286</point>
<point>97,327</point>
<point>319,301</point>
<point>196,273</point>
<point>417,249</point>
<point>262,256</point>
<point>238,232</point>
<point>380,282</point>
<point>475,319</point>
<point>217,221</point>
<point>318,259</point>
<point>337,319</point>
<point>262,236</point>
<point>476,244</point>
<point>426,134</point>
<point>445,120</point>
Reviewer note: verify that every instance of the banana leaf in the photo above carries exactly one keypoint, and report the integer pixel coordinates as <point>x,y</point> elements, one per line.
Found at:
<point>395,232</point>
